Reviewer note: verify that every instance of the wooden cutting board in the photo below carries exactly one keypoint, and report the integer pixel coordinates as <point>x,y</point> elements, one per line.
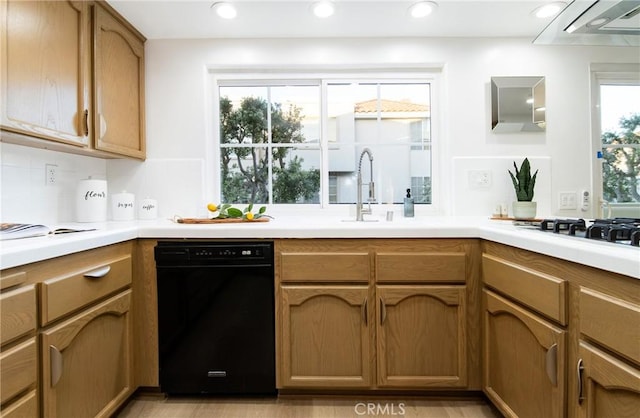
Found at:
<point>218,221</point>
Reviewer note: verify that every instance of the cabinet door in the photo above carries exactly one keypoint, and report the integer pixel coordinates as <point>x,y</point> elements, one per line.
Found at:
<point>421,336</point>
<point>607,387</point>
<point>45,69</point>
<point>325,336</point>
<point>87,361</point>
<point>118,63</point>
<point>524,361</point>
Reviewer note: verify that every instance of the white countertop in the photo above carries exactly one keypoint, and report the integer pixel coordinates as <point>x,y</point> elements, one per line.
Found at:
<point>622,259</point>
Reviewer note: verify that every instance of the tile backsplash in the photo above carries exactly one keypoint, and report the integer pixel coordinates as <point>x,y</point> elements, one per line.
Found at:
<point>179,185</point>
<point>25,195</point>
<point>471,198</point>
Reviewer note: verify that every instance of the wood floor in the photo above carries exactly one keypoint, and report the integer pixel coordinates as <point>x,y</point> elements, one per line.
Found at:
<point>159,407</point>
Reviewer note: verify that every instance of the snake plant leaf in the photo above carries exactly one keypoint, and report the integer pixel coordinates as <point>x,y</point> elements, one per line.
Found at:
<point>523,182</point>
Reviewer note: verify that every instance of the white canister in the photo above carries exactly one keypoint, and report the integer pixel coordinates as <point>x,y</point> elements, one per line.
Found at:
<point>148,209</point>
<point>91,200</point>
<point>123,206</point>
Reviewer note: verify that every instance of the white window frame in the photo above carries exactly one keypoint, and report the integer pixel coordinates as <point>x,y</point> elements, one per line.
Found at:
<point>618,74</point>
<point>217,76</point>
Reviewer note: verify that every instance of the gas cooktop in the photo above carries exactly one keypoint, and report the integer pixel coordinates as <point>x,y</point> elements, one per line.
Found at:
<point>624,231</point>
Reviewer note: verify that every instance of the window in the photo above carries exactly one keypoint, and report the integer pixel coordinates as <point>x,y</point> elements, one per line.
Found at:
<point>617,128</point>
<point>301,141</point>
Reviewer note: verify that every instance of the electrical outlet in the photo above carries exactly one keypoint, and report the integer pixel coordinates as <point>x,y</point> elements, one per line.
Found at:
<point>479,179</point>
<point>568,200</point>
<point>51,174</point>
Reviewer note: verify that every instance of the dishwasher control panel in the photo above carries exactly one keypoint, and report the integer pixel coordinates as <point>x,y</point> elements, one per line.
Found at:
<point>169,253</point>
<point>225,252</point>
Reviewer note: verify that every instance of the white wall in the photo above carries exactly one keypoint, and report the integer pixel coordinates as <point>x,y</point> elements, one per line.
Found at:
<point>178,112</point>
<point>25,196</point>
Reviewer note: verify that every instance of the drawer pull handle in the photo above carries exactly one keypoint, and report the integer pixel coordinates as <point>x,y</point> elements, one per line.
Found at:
<point>383,311</point>
<point>56,364</point>
<point>99,273</point>
<point>364,312</point>
<point>551,364</point>
<point>580,370</point>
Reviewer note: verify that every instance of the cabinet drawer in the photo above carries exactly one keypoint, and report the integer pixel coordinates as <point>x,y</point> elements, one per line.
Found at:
<point>17,313</point>
<point>62,295</point>
<point>542,292</point>
<point>611,322</point>
<point>324,267</point>
<point>420,267</point>
<point>18,369</point>
<point>25,407</point>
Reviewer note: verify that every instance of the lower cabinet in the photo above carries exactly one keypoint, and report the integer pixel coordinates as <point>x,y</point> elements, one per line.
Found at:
<point>326,336</point>
<point>524,361</point>
<point>87,370</point>
<point>421,336</point>
<point>374,314</point>
<point>607,387</point>
<point>606,372</point>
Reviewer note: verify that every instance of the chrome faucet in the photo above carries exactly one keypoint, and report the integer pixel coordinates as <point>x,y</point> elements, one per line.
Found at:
<point>360,211</point>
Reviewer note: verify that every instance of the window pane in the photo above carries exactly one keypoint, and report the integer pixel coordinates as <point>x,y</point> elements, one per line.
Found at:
<point>391,119</point>
<point>258,117</point>
<point>243,115</point>
<point>244,175</point>
<point>296,175</point>
<point>620,121</point>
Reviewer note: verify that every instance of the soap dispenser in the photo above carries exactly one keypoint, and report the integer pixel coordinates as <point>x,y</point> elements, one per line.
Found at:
<point>408,205</point>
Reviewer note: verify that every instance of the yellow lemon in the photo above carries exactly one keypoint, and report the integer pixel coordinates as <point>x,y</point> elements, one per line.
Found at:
<point>249,216</point>
<point>212,207</point>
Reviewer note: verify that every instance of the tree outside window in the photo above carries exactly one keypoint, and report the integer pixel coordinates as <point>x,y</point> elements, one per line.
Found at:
<point>620,121</point>
<point>272,148</point>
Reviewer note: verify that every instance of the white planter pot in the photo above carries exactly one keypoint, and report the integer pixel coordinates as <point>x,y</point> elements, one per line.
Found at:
<point>524,210</point>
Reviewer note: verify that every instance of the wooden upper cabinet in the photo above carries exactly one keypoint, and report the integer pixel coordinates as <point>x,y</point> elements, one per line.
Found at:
<point>72,72</point>
<point>118,64</point>
<point>45,69</point>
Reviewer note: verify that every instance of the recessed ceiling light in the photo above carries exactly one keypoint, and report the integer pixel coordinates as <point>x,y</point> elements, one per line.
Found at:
<point>598,22</point>
<point>549,9</point>
<point>225,10</point>
<point>323,8</point>
<point>422,8</point>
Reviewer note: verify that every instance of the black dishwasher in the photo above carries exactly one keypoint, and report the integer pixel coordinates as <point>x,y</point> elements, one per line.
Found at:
<point>216,317</point>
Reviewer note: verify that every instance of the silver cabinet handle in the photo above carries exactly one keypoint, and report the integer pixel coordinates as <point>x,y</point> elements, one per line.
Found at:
<point>56,364</point>
<point>580,370</point>
<point>383,311</point>
<point>551,363</point>
<point>99,273</point>
<point>364,311</point>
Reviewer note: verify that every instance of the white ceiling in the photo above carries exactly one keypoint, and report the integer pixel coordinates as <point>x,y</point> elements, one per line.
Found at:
<point>183,19</point>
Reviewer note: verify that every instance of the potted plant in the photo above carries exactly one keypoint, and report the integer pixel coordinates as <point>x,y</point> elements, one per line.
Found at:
<point>524,184</point>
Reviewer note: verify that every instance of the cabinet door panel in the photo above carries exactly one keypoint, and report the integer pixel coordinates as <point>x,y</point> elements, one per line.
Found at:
<point>87,361</point>
<point>119,76</point>
<point>45,69</point>
<point>611,389</point>
<point>421,336</point>
<point>325,337</point>
<point>524,361</point>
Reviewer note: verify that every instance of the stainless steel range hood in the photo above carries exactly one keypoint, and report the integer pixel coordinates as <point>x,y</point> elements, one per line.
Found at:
<point>595,22</point>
